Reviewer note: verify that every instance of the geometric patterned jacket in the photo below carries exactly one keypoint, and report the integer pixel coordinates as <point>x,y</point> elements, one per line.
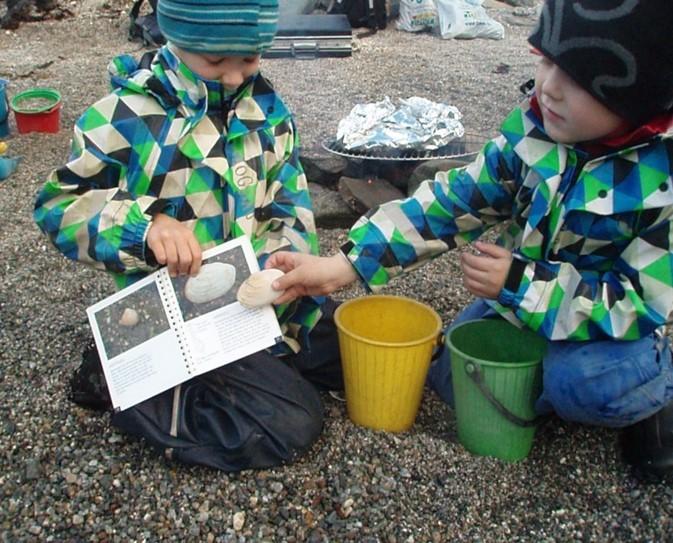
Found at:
<point>166,141</point>
<point>591,235</point>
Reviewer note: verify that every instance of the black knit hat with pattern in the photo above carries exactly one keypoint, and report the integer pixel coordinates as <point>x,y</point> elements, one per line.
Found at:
<point>620,51</point>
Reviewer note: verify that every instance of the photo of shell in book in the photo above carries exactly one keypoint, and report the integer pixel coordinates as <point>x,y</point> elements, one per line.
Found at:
<point>215,285</point>
<point>132,320</point>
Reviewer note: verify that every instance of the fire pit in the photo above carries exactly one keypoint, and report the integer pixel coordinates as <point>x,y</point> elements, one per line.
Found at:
<point>464,148</point>
<point>397,165</point>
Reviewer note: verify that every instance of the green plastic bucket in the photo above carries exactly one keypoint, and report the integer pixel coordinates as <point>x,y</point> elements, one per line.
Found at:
<point>497,377</point>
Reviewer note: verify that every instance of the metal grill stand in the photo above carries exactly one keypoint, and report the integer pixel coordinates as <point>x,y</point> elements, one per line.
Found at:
<point>397,165</point>
<point>463,148</point>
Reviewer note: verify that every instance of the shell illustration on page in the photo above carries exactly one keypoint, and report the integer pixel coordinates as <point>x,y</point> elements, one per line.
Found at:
<point>256,290</point>
<point>213,280</point>
<point>129,317</point>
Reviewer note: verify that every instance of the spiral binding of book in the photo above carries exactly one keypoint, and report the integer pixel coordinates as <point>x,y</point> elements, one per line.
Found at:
<point>175,319</point>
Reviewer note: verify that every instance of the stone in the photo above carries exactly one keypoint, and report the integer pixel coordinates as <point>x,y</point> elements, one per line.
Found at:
<point>363,194</point>
<point>33,469</point>
<point>521,3</point>
<point>329,208</point>
<point>322,167</point>
<point>129,317</point>
<point>428,169</point>
<point>238,521</point>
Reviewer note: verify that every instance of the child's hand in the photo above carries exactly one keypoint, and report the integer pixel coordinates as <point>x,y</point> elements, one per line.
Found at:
<point>308,275</point>
<point>485,274</point>
<point>174,245</point>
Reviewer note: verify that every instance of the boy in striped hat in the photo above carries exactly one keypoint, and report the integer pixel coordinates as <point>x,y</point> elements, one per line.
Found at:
<point>194,147</point>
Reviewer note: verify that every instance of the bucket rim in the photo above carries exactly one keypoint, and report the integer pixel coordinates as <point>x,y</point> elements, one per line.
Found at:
<point>36,92</point>
<point>424,339</point>
<point>489,363</point>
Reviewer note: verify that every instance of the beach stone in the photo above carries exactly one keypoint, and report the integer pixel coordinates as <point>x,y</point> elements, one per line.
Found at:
<point>238,521</point>
<point>329,208</point>
<point>322,167</point>
<point>361,195</point>
<point>33,469</point>
<point>428,169</point>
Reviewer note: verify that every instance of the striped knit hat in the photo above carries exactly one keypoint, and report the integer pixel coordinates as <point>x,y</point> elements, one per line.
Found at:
<point>219,27</point>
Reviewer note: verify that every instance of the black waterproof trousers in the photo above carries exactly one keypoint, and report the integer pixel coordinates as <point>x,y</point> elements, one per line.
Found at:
<point>258,412</point>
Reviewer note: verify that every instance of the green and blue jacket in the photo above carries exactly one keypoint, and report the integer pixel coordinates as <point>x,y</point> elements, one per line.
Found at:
<point>590,232</point>
<point>165,141</point>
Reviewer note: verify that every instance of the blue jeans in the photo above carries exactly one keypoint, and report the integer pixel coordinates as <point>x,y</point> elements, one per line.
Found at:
<point>603,383</point>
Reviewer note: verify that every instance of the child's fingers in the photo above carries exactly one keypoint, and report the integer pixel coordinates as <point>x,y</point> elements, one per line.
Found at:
<point>477,282</point>
<point>474,277</point>
<point>286,282</point>
<point>159,252</point>
<point>195,250</point>
<point>287,296</point>
<point>476,262</point>
<point>281,260</point>
<point>190,257</point>
<point>492,250</point>
<point>171,257</point>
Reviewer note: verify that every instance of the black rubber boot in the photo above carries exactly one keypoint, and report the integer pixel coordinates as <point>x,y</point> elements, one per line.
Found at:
<point>87,385</point>
<point>648,445</point>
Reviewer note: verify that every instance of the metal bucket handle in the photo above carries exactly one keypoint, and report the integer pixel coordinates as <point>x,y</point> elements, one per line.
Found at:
<point>474,372</point>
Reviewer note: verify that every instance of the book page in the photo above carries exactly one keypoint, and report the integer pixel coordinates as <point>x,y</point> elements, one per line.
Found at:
<point>139,351</point>
<point>230,333</point>
<point>219,330</point>
<point>162,330</point>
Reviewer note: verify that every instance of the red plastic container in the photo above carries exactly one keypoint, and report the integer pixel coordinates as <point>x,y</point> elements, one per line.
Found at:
<point>37,110</point>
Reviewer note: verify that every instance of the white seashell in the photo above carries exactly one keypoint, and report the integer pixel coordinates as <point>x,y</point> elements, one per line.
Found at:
<point>213,280</point>
<point>256,290</point>
<point>129,317</point>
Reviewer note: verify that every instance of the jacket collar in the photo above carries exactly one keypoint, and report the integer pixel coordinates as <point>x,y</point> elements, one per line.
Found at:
<point>662,125</point>
<point>255,106</point>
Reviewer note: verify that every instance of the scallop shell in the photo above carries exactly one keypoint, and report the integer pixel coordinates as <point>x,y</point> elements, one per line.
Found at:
<point>256,290</point>
<point>213,280</point>
<point>129,317</point>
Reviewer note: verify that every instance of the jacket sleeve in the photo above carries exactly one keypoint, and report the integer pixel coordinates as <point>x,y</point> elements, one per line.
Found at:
<point>286,220</point>
<point>86,207</point>
<point>453,209</point>
<point>626,302</point>
<point>287,223</point>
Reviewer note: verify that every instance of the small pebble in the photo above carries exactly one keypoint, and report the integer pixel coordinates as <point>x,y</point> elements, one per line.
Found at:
<point>238,521</point>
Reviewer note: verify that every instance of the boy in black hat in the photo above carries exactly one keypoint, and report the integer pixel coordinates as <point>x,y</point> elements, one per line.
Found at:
<point>582,172</point>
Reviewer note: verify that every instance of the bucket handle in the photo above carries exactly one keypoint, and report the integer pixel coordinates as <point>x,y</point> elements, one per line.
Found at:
<point>474,372</point>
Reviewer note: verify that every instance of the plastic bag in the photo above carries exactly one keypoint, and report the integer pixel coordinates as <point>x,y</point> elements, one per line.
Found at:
<point>417,15</point>
<point>466,19</point>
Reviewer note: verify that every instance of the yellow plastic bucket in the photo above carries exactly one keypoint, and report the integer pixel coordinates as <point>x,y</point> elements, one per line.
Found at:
<point>386,343</point>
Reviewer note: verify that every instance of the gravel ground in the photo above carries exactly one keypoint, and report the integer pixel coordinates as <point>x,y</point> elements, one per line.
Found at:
<point>65,475</point>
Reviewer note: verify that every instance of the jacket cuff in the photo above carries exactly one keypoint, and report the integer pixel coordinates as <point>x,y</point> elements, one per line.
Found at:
<point>139,239</point>
<point>162,206</point>
<point>355,259</point>
<point>509,291</point>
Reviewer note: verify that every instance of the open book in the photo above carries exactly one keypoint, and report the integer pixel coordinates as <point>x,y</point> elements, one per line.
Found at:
<point>162,330</point>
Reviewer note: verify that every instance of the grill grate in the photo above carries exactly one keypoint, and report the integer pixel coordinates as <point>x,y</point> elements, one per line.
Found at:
<point>464,148</point>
